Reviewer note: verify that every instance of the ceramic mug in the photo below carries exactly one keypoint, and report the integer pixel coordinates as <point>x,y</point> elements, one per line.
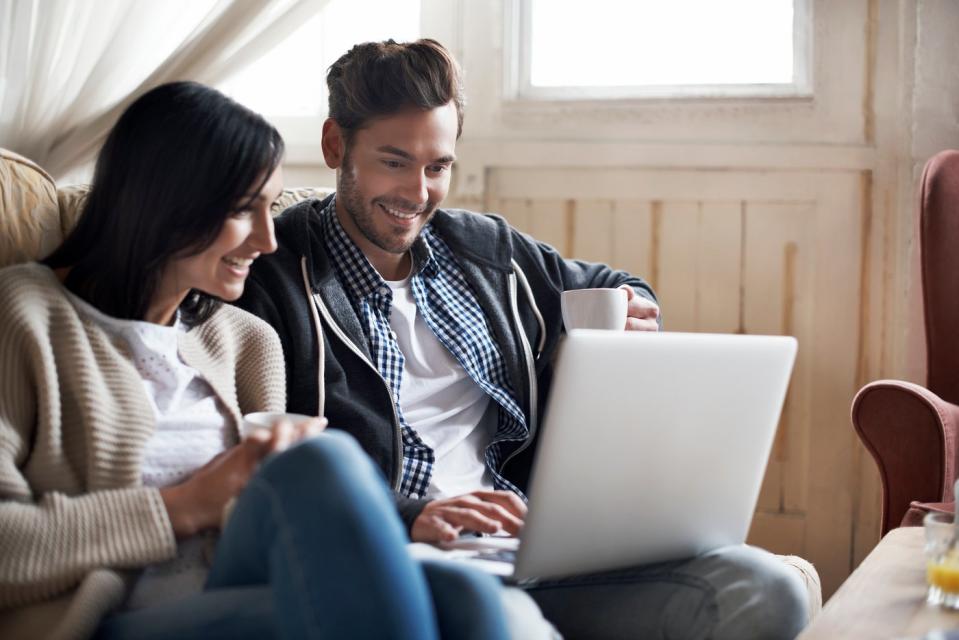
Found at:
<point>594,309</point>
<point>266,420</point>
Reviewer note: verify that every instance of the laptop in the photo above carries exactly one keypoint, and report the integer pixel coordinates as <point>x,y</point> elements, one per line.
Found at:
<point>653,447</point>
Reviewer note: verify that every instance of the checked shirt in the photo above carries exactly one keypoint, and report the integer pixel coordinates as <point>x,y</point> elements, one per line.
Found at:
<point>450,309</point>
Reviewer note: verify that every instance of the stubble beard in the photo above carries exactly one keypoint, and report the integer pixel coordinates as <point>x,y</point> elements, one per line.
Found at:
<point>364,217</point>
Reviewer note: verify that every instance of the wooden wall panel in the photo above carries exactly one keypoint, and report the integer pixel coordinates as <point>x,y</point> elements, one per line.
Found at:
<point>551,221</point>
<point>740,252</point>
<point>778,297</point>
<point>636,241</point>
<point>593,229</point>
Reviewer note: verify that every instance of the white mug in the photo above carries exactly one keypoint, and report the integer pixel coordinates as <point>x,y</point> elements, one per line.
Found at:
<point>594,309</point>
<point>266,420</point>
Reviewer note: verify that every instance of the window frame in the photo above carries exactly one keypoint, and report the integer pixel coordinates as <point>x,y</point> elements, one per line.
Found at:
<point>518,89</point>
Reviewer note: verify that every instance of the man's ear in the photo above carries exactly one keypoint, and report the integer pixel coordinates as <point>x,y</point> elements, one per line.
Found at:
<point>333,144</point>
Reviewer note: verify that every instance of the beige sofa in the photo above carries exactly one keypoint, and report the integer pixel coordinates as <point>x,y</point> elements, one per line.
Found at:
<point>35,215</point>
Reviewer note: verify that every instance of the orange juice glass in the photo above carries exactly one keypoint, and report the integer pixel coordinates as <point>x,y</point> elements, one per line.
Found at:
<point>942,559</point>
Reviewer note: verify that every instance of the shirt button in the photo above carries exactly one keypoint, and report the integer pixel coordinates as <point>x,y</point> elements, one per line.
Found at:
<point>384,291</point>
<point>415,496</point>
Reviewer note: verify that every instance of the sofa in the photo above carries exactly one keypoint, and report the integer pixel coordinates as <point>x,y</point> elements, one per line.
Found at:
<point>36,215</point>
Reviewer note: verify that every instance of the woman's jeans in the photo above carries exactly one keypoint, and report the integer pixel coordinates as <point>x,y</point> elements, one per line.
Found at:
<point>315,549</point>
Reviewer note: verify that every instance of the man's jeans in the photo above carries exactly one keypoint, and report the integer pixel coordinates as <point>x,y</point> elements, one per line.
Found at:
<point>315,549</point>
<point>736,592</point>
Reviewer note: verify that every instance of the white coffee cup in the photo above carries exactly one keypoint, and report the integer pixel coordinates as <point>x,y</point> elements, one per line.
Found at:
<point>266,420</point>
<point>594,309</point>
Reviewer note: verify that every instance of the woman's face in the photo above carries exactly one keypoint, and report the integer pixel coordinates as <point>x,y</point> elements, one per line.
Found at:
<point>221,269</point>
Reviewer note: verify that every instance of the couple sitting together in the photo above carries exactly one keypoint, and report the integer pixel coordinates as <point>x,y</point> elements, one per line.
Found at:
<point>132,507</point>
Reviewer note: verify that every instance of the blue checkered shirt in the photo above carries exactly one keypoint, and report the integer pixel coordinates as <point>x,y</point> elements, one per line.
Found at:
<point>450,309</point>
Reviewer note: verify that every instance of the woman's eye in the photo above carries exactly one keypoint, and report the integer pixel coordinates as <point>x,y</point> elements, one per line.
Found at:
<point>242,213</point>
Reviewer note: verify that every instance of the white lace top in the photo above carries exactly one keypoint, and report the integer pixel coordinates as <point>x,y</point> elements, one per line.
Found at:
<point>191,428</point>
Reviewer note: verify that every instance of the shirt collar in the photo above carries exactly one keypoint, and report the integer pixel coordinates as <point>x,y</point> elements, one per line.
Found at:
<point>356,273</point>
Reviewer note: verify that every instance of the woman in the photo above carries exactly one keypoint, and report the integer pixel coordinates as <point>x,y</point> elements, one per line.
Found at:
<point>123,386</point>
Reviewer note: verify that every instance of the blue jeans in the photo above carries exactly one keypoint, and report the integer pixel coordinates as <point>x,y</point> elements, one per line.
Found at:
<point>315,549</point>
<point>734,592</point>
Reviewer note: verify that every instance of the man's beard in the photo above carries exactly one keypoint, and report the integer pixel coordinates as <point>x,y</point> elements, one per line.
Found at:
<point>364,217</point>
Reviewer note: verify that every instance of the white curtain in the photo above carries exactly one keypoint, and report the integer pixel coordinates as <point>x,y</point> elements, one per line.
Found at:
<point>68,68</point>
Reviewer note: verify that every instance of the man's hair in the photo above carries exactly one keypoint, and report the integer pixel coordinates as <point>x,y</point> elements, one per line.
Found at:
<point>177,163</point>
<point>376,79</point>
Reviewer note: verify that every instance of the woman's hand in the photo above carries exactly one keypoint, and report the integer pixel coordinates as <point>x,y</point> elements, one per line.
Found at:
<point>197,503</point>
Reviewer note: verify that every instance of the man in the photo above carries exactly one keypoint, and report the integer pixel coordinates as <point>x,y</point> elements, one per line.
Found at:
<point>429,335</point>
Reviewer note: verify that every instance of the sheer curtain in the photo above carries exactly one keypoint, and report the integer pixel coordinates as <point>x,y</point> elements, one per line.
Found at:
<point>68,68</point>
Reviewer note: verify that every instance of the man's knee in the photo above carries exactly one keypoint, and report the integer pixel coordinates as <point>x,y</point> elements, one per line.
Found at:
<point>759,596</point>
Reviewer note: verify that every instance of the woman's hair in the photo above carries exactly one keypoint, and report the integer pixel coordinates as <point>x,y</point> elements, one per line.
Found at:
<point>177,163</point>
<point>377,79</point>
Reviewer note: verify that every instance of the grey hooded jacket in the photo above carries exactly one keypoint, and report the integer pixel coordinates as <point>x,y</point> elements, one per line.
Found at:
<point>517,281</point>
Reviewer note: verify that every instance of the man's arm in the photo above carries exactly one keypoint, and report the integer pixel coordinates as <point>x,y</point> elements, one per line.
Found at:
<point>565,274</point>
<point>257,301</point>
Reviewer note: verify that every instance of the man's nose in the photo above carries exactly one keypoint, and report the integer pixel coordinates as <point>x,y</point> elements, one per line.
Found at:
<point>417,189</point>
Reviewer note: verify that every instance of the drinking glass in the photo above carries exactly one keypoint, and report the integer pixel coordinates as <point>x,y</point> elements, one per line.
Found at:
<point>942,559</point>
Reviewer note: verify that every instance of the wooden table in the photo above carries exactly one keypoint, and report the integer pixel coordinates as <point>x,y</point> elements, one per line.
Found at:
<point>885,597</point>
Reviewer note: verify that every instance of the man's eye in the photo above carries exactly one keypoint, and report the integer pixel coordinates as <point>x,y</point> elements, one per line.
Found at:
<point>438,168</point>
<point>393,164</point>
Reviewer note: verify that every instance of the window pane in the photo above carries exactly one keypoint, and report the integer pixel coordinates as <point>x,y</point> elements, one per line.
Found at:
<point>290,80</point>
<point>612,43</point>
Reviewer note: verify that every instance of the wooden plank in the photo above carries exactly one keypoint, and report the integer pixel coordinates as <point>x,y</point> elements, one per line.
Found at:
<point>548,223</point>
<point>719,256</point>
<point>515,210</point>
<point>633,238</point>
<point>779,273</point>
<point>783,533</point>
<point>831,483</point>
<point>593,230</point>
<point>678,269</point>
<point>666,184</point>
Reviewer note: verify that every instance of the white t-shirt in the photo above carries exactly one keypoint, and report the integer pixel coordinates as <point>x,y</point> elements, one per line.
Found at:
<point>450,412</point>
<point>191,428</point>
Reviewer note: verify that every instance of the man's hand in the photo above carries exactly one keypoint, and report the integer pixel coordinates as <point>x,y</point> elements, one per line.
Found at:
<point>641,313</point>
<point>480,511</point>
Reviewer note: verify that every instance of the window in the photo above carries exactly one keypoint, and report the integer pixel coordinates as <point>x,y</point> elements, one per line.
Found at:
<point>288,84</point>
<point>607,49</point>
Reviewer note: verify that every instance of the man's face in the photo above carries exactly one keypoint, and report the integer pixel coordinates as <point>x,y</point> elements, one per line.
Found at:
<point>392,178</point>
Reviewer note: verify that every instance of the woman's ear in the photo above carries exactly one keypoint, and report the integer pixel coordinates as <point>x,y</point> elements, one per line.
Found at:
<point>333,144</point>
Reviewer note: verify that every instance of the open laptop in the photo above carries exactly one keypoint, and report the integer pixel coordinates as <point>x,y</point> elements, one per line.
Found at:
<point>653,447</point>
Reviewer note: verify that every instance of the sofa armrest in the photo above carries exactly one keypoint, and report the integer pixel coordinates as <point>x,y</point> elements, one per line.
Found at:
<point>911,433</point>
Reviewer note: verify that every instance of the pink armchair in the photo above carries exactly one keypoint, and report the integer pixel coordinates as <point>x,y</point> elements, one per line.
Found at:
<point>911,430</point>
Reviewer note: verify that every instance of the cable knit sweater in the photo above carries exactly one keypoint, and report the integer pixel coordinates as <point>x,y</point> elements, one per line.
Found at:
<point>74,419</point>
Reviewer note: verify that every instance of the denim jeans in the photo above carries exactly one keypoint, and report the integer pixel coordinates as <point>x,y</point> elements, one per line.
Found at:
<point>315,549</point>
<point>737,592</point>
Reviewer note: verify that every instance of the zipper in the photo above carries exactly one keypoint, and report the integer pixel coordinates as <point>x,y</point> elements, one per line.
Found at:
<point>530,372</point>
<point>328,318</point>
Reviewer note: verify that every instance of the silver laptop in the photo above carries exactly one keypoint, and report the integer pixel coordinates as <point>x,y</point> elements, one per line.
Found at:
<point>653,448</point>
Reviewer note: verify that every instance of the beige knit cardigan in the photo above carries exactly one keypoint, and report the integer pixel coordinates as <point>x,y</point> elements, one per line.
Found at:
<point>74,420</point>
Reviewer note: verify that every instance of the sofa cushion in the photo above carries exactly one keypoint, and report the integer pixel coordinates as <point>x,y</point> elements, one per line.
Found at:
<point>29,212</point>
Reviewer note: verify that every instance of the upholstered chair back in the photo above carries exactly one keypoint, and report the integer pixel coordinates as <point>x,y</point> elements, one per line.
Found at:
<point>30,226</point>
<point>939,250</point>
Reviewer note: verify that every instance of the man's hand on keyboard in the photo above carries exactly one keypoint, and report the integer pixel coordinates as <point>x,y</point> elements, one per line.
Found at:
<point>480,511</point>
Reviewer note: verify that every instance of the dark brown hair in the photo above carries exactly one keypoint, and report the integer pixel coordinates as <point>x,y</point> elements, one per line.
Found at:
<point>376,79</point>
<point>177,163</point>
